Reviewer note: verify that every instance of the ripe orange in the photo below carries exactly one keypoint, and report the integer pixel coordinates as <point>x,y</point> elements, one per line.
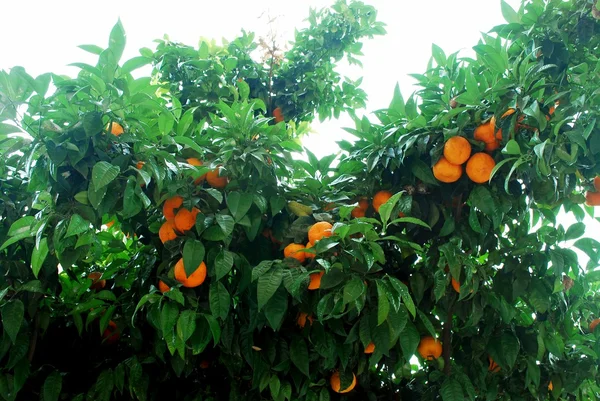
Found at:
<point>490,147</point>
<point>315,281</point>
<point>550,386</point>
<point>196,162</point>
<point>319,231</point>
<point>456,285</point>
<point>592,198</point>
<point>593,324</point>
<point>139,165</point>
<point>302,318</point>
<point>380,198</point>
<point>185,219</point>
<point>115,128</point>
<point>493,366</point>
<point>110,223</point>
<point>335,383</point>
<point>509,112</point>
<point>597,183</point>
<point>370,348</point>
<point>163,287</point>
<point>204,364</point>
<point>360,210</point>
<point>447,172</point>
<point>479,167</point>
<point>215,180</point>
<point>457,150</point>
<point>111,334</point>
<point>167,231</point>
<point>170,205</point>
<point>308,254</point>
<point>278,114</point>
<point>485,131</point>
<point>195,279</point>
<point>97,284</point>
<point>430,348</point>
<point>295,251</point>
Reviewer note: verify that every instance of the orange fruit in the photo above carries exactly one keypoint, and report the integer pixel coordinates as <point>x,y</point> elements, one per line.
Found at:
<point>115,128</point>
<point>380,198</point>
<point>447,172</point>
<point>592,198</point>
<point>111,333</point>
<point>167,231</point>
<point>163,287</point>
<point>509,112</point>
<point>315,281</point>
<point>295,251</point>
<point>196,162</point>
<point>370,348</point>
<point>278,114</point>
<point>335,383</point>
<point>593,324</point>
<point>456,285</point>
<point>185,219</point>
<point>139,165</point>
<point>302,318</point>
<point>479,167</point>
<point>308,254</point>
<point>204,364</point>
<point>97,284</point>
<point>215,180</point>
<point>550,386</point>
<point>430,348</point>
<point>195,279</point>
<point>491,146</point>
<point>170,205</point>
<point>457,150</point>
<point>110,224</point>
<point>360,210</point>
<point>493,366</point>
<point>319,231</point>
<point>485,131</point>
<point>597,183</point>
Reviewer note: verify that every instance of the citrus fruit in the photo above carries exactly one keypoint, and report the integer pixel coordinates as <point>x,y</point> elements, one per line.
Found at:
<point>335,383</point>
<point>278,115</point>
<point>479,167</point>
<point>170,205</point>
<point>380,198</point>
<point>303,317</point>
<point>447,172</point>
<point>195,279</point>
<point>139,165</point>
<point>97,284</point>
<point>196,162</point>
<point>456,285</point>
<point>370,348</point>
<point>215,179</point>
<point>597,183</point>
<point>493,366</point>
<point>361,209</point>
<point>111,333</point>
<point>430,348</point>
<point>167,231</point>
<point>115,128</point>
<point>592,198</point>
<point>163,287</point>
<point>457,150</point>
<point>315,281</point>
<point>485,131</point>
<point>295,251</point>
<point>309,255</point>
<point>186,219</point>
<point>319,231</point>
<point>593,324</point>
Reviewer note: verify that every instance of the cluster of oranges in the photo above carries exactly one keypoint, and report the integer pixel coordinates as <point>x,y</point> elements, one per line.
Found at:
<point>457,151</point>
<point>316,232</point>
<point>379,199</point>
<point>213,177</point>
<point>592,198</point>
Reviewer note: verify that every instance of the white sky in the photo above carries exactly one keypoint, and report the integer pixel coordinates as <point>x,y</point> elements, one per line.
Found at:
<point>43,36</point>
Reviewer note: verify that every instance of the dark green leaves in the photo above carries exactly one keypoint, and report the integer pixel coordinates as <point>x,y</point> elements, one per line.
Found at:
<point>38,256</point>
<point>193,255</point>
<point>299,354</point>
<point>268,283</point>
<point>219,300</point>
<point>52,386</point>
<point>103,174</point>
<point>223,264</point>
<point>451,390</point>
<point>239,204</point>
<point>12,318</point>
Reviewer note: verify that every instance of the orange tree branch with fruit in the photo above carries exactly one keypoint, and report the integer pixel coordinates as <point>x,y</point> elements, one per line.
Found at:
<point>161,239</point>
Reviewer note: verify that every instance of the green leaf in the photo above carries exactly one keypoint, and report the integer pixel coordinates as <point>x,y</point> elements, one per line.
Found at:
<point>299,355</point>
<point>575,231</point>
<point>274,387</point>
<point>77,225</point>
<point>214,327</point>
<point>451,390</point>
<point>12,318</point>
<point>193,255</point>
<point>386,209</point>
<point>409,340</point>
<point>219,300</point>
<point>277,203</point>
<point>512,148</point>
<point>134,64</point>
<point>509,14</point>
<point>38,256</point>
<point>383,304</point>
<point>533,372</point>
<point>223,263</point>
<point>226,223</point>
<point>510,348</point>
<point>103,174</point>
<point>91,49</point>
<point>276,309</point>
<point>423,172</point>
<point>186,324</point>
<point>438,55</point>
<point>168,317</point>
<point>52,387</point>
<point>353,289</point>
<point>23,226</point>
<point>239,204</point>
<point>189,142</point>
<point>268,283</point>
<point>116,41</point>
<point>402,289</point>
<point>482,199</point>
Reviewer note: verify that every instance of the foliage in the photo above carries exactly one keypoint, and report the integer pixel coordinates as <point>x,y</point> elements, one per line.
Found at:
<point>520,303</point>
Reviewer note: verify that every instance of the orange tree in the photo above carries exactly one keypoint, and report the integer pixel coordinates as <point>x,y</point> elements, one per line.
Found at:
<point>160,238</point>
